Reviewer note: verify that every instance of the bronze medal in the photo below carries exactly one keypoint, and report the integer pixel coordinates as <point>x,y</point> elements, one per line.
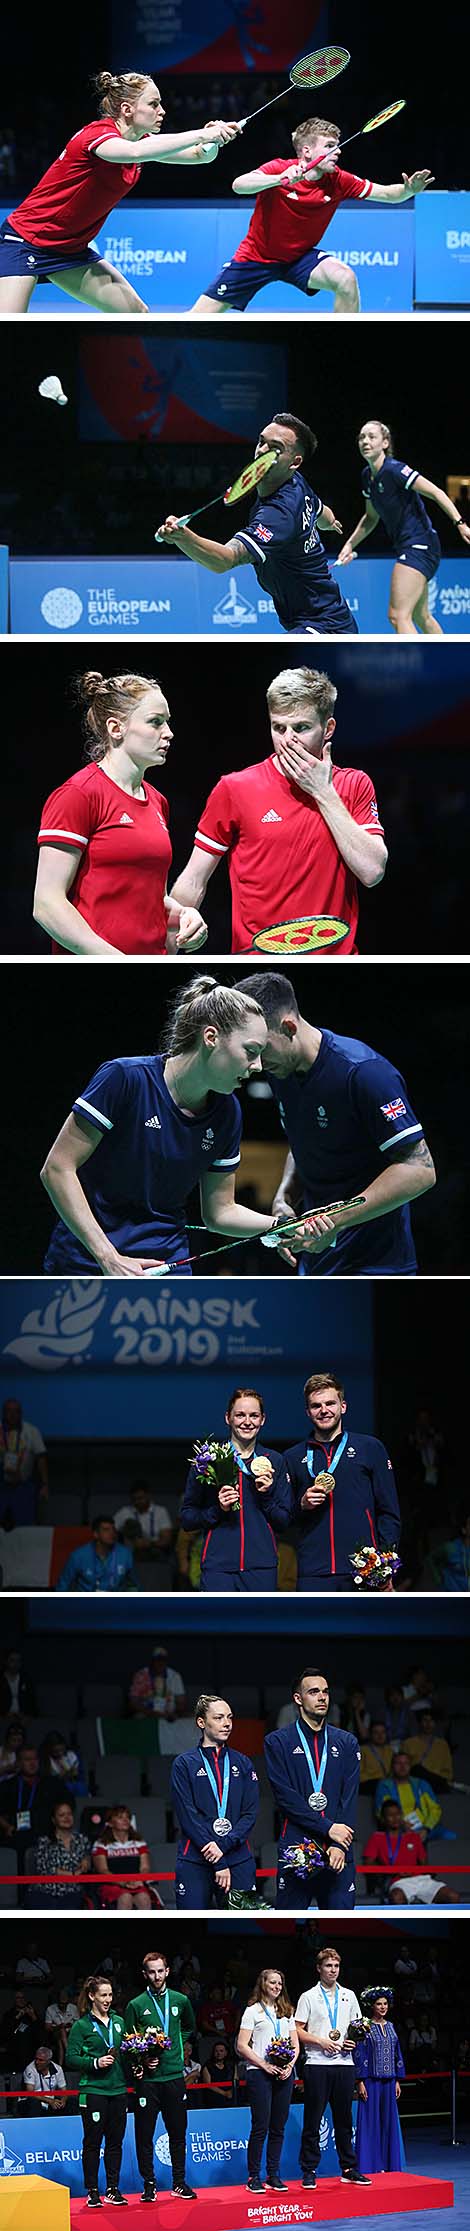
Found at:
<point>335,2034</point>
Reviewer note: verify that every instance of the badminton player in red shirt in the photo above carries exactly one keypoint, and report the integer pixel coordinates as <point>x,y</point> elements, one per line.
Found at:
<point>104,845</point>
<point>294,205</point>
<point>50,234</point>
<point>299,834</point>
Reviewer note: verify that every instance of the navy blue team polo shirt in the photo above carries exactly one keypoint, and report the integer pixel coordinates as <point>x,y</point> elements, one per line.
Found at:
<point>345,1119</point>
<point>290,560</point>
<point>150,1156</point>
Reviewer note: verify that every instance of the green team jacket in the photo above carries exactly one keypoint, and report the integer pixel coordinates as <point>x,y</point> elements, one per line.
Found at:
<point>181,2023</point>
<point>84,2051</point>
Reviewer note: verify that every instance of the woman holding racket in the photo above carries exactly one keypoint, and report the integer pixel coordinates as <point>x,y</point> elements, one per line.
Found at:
<point>146,1130</point>
<point>104,844</point>
<point>49,235</point>
<point>394,493</point>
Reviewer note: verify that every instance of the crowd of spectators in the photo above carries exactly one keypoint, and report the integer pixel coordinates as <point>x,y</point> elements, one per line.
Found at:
<point>91,1803</point>
<point>39,2000</point>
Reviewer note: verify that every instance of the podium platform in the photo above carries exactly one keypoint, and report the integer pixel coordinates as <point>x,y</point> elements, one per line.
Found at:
<point>232,2208</point>
<point>29,2203</point>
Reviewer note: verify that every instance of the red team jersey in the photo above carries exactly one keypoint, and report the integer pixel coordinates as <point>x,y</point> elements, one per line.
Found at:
<point>284,865</point>
<point>292,219</point>
<point>125,857</point>
<point>76,194</point>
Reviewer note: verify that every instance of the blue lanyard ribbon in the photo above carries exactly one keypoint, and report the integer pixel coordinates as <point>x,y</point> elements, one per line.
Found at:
<point>332,2017</point>
<point>274,2018</point>
<point>99,2026</point>
<point>317,1780</point>
<point>335,1459</point>
<point>31,1795</point>
<point>107,1566</point>
<point>164,2011</point>
<point>241,1460</point>
<point>221,1809</point>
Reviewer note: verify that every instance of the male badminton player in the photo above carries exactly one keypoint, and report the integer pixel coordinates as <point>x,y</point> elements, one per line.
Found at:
<point>298,834</point>
<point>146,1130</point>
<point>50,234</point>
<point>281,540</point>
<point>344,1139</point>
<point>293,208</point>
<point>394,493</point>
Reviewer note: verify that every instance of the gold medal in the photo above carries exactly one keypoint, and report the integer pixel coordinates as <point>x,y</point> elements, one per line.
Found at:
<point>326,1480</point>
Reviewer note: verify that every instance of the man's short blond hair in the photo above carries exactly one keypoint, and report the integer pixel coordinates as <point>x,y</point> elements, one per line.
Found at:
<point>315,127</point>
<point>302,685</point>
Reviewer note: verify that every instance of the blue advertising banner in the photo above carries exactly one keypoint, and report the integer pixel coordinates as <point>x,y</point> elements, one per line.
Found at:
<point>217,2148</point>
<point>71,1350</point>
<point>442,234</point>
<point>170,596</point>
<point>170,253</point>
<point>191,35</point>
<point>4,588</point>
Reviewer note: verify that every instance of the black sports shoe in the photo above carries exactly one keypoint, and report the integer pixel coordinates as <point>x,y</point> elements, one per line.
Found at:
<point>116,2198</point>
<point>276,2184</point>
<point>149,2191</point>
<point>353,2177</point>
<point>93,2200</point>
<point>309,2182</point>
<point>255,2185</point>
<point>184,2192</point>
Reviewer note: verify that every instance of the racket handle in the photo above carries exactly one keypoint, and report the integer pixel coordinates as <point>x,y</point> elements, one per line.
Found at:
<point>161,1271</point>
<point>159,535</point>
<point>271,1239</point>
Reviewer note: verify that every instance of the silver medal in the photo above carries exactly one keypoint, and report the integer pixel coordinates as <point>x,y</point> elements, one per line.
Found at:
<point>222,1827</point>
<point>317,1801</point>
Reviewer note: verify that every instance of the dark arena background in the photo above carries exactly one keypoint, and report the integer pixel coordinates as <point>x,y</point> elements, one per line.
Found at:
<point>401,714</point>
<point>380,1006</point>
<point>216,1964</point>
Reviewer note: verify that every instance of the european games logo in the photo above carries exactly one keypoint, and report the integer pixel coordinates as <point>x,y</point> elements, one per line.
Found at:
<point>63,1330</point>
<point>62,608</point>
<point>10,2164</point>
<point>162,2149</point>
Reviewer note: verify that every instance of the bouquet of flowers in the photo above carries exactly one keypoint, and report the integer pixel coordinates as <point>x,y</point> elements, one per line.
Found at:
<point>305,1856</point>
<point>247,1901</point>
<point>215,1461</point>
<point>279,2055</point>
<point>374,1567</point>
<point>357,2029</point>
<point>144,2046</point>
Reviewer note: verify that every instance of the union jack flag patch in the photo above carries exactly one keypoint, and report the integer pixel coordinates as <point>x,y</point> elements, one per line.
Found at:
<point>265,534</point>
<point>392,1108</point>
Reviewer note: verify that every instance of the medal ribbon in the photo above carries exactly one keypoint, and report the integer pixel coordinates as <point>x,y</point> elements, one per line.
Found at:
<point>99,2026</point>
<point>274,2018</point>
<point>163,2012</point>
<point>334,1461</point>
<point>221,1798</point>
<point>332,2017</point>
<point>317,1780</point>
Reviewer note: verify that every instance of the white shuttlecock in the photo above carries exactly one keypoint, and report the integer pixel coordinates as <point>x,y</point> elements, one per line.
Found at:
<point>52,389</point>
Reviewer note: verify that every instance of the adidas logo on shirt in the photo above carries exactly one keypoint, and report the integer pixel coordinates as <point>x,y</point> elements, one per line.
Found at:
<point>126,821</point>
<point>152,1123</point>
<point>271,816</point>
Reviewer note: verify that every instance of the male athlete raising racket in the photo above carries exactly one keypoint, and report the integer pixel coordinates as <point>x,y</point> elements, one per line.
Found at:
<point>281,539</point>
<point>293,208</point>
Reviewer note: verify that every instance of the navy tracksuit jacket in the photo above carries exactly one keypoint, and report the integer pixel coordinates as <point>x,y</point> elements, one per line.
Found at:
<point>196,1811</point>
<point>363,1507</point>
<point>239,1552</point>
<point>291,1785</point>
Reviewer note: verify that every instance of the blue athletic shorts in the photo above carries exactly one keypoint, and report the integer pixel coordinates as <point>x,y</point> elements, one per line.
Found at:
<point>423,556</point>
<point>236,283</point>
<point>22,259</point>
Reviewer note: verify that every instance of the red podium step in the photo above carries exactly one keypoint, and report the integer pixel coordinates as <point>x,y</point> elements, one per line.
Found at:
<point>232,2208</point>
